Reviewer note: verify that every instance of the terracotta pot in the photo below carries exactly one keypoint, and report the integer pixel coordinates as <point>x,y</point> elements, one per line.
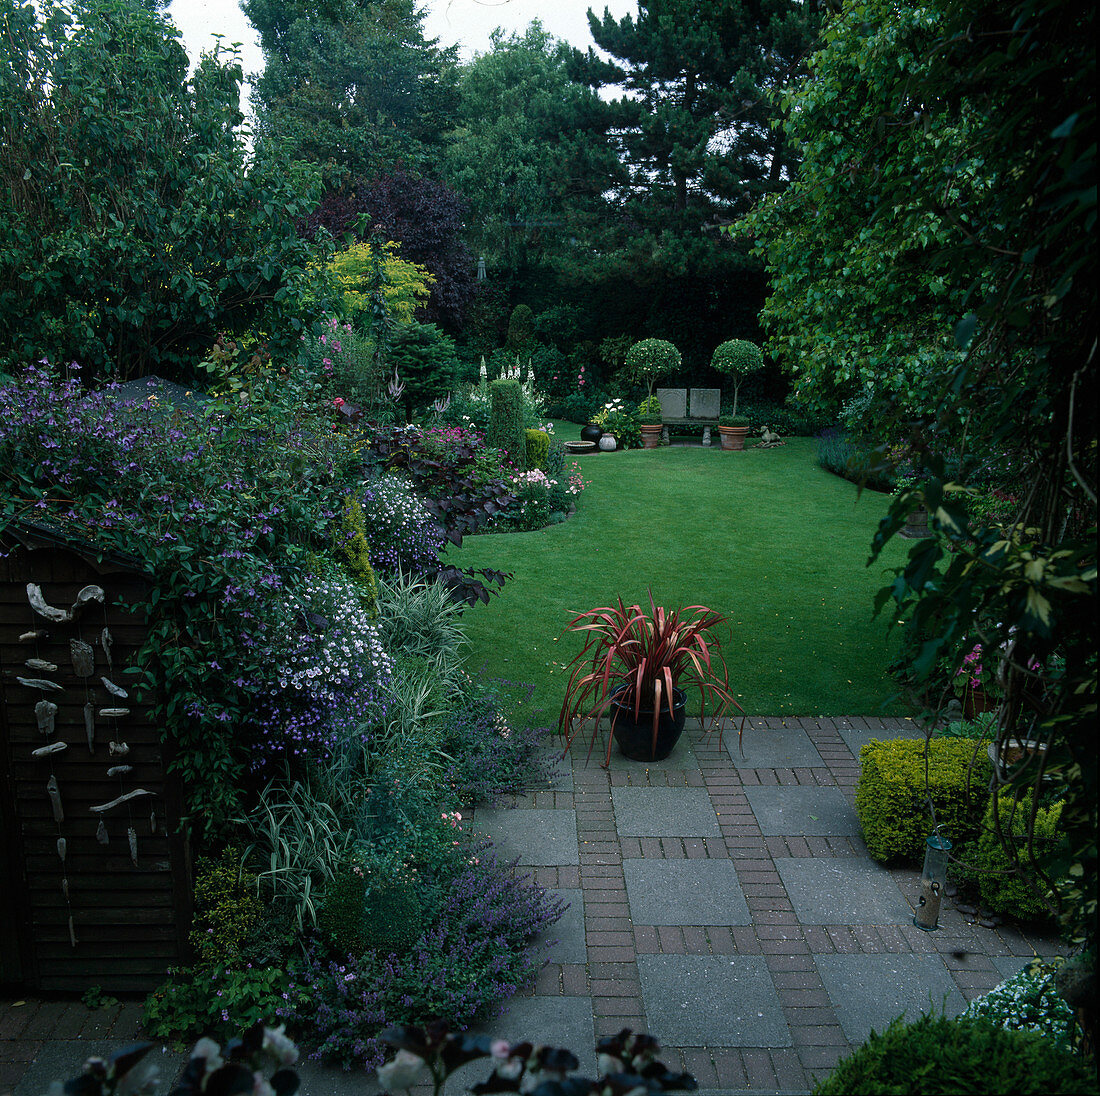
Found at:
<point>733,437</point>
<point>635,737</point>
<point>651,435</point>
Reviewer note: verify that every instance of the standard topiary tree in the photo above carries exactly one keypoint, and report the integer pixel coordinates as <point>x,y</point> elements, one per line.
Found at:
<point>651,359</point>
<point>737,358</point>
<point>506,420</point>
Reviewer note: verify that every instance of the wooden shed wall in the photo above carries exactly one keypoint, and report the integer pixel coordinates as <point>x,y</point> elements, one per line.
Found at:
<point>130,920</point>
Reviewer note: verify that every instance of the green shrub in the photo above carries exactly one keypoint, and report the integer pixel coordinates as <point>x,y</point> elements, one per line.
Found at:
<point>1003,888</point>
<point>649,360</point>
<point>538,448</point>
<point>521,329</point>
<point>372,907</point>
<point>892,795</point>
<point>939,1055</point>
<point>225,910</point>
<point>354,553</point>
<point>737,358</point>
<point>506,420</point>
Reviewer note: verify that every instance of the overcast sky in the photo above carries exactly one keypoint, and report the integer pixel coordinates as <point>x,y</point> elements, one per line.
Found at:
<point>466,23</point>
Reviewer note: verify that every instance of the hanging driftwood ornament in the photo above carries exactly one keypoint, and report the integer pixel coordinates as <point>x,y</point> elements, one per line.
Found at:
<point>41,665</point>
<point>85,598</point>
<point>89,726</point>
<point>114,713</point>
<point>72,931</point>
<point>137,793</point>
<point>54,792</point>
<point>52,748</point>
<point>105,642</point>
<point>131,836</point>
<point>113,689</point>
<point>45,714</point>
<point>65,887</point>
<point>120,770</point>
<point>40,683</point>
<point>62,848</point>
<point>35,636</point>
<point>153,820</point>
<point>39,605</point>
<point>83,657</point>
<point>118,749</point>
<point>101,833</point>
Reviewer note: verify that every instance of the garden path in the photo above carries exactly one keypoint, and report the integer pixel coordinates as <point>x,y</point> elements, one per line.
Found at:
<point>724,903</point>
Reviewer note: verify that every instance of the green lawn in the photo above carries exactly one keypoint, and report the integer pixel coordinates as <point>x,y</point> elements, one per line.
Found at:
<point>765,536</point>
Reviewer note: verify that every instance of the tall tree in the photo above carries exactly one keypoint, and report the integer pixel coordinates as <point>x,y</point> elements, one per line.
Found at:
<point>351,84</point>
<point>949,191</point>
<point>530,152</point>
<point>134,229</point>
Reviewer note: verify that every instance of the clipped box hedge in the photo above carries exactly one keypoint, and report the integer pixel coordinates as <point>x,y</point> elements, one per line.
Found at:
<point>892,799</point>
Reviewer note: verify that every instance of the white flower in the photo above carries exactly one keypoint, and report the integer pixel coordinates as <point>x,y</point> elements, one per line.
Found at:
<point>403,1072</point>
<point>281,1048</point>
<point>210,1051</point>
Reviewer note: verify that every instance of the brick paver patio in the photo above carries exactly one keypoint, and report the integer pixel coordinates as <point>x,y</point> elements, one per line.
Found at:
<point>726,904</point>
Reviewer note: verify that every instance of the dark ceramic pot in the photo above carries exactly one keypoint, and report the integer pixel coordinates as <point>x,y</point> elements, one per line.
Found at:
<point>635,737</point>
<point>591,432</point>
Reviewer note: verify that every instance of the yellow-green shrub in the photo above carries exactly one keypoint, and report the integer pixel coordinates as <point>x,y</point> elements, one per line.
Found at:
<point>226,908</point>
<point>538,448</point>
<point>892,795</point>
<point>1003,889</point>
<point>354,553</point>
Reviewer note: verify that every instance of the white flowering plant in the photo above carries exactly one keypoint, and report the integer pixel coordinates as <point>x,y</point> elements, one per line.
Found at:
<point>1029,1001</point>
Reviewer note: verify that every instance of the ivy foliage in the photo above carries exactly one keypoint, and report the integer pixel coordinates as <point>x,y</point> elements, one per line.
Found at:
<point>133,229</point>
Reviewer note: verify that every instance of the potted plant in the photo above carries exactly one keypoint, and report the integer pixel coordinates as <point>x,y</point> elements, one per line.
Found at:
<point>733,430</point>
<point>649,422</point>
<point>737,358</point>
<point>638,666</point>
<point>649,360</point>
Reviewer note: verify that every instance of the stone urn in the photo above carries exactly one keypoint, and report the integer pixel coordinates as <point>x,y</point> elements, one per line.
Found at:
<point>607,443</point>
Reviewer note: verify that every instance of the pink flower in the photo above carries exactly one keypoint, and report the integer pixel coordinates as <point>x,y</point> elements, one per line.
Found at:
<point>338,402</point>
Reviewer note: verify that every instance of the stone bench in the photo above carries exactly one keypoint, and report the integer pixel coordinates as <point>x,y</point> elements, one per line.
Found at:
<point>702,410</point>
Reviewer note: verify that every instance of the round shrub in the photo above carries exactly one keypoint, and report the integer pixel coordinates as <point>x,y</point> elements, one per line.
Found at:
<point>538,447</point>
<point>651,359</point>
<point>939,1055</point>
<point>737,358</point>
<point>894,789</point>
<point>367,909</point>
<point>1029,1001</point>
<point>1003,889</point>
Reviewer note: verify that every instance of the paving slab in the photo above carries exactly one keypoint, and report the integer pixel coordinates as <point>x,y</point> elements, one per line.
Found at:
<point>1010,965</point>
<point>773,748</point>
<point>803,811</point>
<point>664,812</point>
<point>869,991</point>
<point>537,837</point>
<point>712,1001</point>
<point>685,892</point>
<point>856,738</point>
<point>842,891</point>
<point>568,930</point>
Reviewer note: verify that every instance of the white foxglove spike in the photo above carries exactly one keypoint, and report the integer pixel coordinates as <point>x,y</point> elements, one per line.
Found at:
<point>45,714</point>
<point>54,792</point>
<point>83,657</point>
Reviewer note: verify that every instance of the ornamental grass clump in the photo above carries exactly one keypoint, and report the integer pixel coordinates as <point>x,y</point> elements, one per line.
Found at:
<point>638,660</point>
